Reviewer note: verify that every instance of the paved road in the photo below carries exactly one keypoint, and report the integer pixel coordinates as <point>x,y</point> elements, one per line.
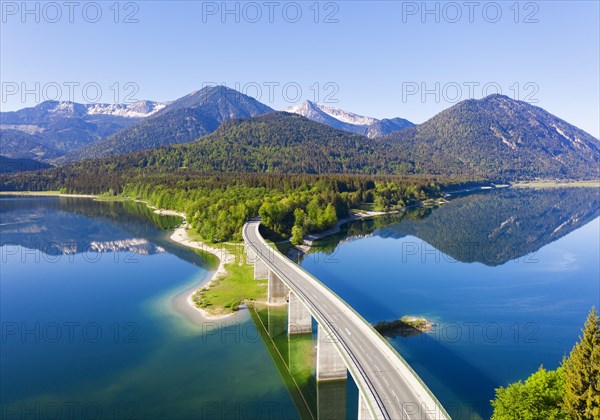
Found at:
<point>390,387</point>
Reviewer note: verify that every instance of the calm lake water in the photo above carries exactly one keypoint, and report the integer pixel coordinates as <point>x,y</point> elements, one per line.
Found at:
<point>88,334</point>
<point>90,328</point>
<point>508,277</point>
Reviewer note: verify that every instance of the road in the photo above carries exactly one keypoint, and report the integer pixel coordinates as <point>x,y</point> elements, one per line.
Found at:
<point>391,389</point>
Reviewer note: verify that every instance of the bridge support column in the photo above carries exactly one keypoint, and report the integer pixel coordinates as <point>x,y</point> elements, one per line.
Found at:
<point>277,290</point>
<point>330,365</point>
<point>363,409</point>
<point>250,255</point>
<point>261,271</point>
<point>299,318</point>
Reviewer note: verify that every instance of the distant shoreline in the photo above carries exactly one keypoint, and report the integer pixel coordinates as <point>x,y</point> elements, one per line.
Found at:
<point>557,184</point>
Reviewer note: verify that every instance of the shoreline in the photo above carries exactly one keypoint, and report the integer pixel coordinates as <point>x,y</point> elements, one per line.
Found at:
<point>179,236</point>
<point>224,256</point>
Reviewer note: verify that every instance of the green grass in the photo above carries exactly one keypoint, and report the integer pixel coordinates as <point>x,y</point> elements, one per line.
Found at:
<point>363,207</point>
<point>226,294</point>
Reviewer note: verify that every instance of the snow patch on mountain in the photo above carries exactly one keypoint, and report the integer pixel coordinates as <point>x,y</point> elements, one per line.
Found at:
<point>139,109</point>
<point>307,107</point>
<point>347,117</point>
<point>347,121</point>
<point>25,128</point>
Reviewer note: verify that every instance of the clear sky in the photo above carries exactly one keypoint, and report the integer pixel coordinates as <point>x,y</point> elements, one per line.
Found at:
<point>373,58</point>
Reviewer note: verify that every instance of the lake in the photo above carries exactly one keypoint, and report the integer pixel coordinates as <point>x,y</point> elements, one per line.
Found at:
<point>508,276</point>
<point>89,329</point>
<point>92,327</point>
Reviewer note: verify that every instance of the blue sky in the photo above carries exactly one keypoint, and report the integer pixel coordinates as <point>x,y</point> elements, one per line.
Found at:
<point>372,58</point>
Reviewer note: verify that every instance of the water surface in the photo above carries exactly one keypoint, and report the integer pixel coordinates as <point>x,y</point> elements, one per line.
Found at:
<point>89,329</point>
<point>508,276</point>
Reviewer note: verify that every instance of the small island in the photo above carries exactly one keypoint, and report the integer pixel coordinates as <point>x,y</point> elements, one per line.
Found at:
<point>405,327</point>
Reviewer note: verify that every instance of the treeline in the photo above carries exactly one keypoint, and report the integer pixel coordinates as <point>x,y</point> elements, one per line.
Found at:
<point>290,206</point>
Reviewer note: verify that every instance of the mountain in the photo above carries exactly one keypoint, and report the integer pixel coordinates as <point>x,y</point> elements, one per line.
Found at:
<point>181,121</point>
<point>494,138</point>
<point>52,129</point>
<point>498,137</point>
<point>8,165</point>
<point>385,126</point>
<point>347,121</point>
<point>278,142</point>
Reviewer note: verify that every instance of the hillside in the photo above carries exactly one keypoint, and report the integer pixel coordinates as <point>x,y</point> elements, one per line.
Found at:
<point>276,143</point>
<point>500,138</point>
<point>181,121</point>
<point>8,165</point>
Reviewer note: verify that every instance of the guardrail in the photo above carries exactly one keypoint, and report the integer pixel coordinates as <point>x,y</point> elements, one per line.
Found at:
<point>374,402</point>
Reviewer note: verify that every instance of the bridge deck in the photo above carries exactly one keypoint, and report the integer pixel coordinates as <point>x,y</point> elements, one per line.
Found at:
<point>390,387</point>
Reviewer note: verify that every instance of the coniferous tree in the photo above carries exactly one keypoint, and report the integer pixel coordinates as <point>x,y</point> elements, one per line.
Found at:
<point>582,368</point>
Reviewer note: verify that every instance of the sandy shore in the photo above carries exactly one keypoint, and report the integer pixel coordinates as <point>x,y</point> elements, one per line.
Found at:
<point>46,194</point>
<point>225,257</point>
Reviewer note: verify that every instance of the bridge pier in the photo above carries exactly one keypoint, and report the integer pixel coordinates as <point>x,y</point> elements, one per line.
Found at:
<point>277,291</point>
<point>250,255</point>
<point>261,270</point>
<point>330,365</point>
<point>363,409</point>
<point>299,318</point>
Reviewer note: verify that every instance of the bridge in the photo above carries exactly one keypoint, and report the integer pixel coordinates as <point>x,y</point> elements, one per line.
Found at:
<point>346,342</point>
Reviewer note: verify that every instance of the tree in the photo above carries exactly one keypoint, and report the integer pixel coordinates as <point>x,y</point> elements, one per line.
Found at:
<point>297,235</point>
<point>582,368</point>
<point>540,397</point>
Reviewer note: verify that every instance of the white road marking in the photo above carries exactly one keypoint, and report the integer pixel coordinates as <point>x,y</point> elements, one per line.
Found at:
<point>347,331</point>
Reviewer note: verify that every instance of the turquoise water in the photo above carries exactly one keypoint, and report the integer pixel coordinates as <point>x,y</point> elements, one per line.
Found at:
<point>508,276</point>
<point>88,334</point>
<point>91,326</point>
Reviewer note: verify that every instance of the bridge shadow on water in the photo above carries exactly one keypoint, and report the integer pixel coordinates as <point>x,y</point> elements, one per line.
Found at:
<point>433,360</point>
<point>294,356</point>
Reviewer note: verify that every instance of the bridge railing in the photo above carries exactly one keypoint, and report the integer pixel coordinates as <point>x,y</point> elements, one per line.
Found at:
<point>404,369</point>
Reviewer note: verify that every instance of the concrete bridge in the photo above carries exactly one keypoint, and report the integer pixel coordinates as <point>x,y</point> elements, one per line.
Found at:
<point>388,387</point>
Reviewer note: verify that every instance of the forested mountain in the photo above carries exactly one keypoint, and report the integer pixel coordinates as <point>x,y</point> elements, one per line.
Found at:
<point>181,121</point>
<point>494,138</point>
<point>348,121</point>
<point>8,165</point>
<point>276,143</point>
<point>52,129</point>
<point>500,138</point>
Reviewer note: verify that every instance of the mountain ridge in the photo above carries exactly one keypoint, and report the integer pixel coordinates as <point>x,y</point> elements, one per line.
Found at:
<point>348,121</point>
<point>183,120</point>
<point>503,137</point>
<point>52,129</point>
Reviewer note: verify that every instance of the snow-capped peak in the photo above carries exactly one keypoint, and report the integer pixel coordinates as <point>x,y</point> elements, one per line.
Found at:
<point>308,107</point>
<point>139,109</point>
<point>347,117</point>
